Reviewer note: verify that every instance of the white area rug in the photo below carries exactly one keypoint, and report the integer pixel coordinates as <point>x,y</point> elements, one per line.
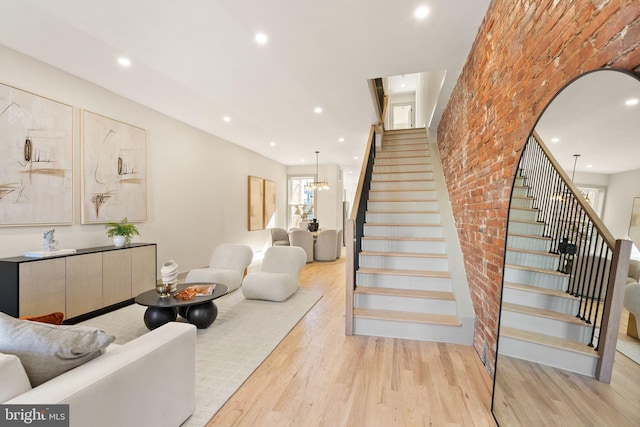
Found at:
<point>243,335</point>
<point>629,349</point>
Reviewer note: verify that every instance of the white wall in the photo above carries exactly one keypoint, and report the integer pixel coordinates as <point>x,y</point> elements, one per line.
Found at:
<point>622,189</point>
<point>197,183</point>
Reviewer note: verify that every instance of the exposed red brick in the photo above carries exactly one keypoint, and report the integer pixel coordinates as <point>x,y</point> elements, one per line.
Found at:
<point>523,54</point>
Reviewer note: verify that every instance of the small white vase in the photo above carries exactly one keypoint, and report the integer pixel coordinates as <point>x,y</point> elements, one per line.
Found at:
<point>118,241</point>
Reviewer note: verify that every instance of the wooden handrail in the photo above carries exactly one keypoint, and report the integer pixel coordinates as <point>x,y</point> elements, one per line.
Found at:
<point>593,216</point>
<point>363,172</point>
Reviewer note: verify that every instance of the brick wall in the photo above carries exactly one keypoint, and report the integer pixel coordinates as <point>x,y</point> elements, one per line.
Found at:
<point>525,51</point>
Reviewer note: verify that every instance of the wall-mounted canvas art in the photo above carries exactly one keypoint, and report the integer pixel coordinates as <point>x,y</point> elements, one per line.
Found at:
<point>114,176</point>
<point>256,203</point>
<point>634,225</point>
<point>269,201</point>
<point>36,159</point>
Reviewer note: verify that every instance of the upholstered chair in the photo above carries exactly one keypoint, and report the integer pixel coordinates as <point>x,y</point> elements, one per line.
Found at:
<point>227,266</point>
<point>325,246</point>
<point>278,278</point>
<point>303,239</point>
<point>339,243</point>
<point>632,304</point>
<point>279,237</point>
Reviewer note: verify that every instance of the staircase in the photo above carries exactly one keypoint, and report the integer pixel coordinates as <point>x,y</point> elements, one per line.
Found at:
<point>538,321</point>
<point>410,282</point>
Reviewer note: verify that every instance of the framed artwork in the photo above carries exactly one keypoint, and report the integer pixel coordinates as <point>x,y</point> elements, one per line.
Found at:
<point>114,171</point>
<point>269,201</point>
<point>36,160</point>
<point>256,203</point>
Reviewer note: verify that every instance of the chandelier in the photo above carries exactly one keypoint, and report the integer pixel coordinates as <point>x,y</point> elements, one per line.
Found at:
<point>317,184</point>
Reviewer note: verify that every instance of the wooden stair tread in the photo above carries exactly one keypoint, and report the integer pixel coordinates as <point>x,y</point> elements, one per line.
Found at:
<point>529,235</point>
<point>407,164</point>
<point>402,212</point>
<point>400,190</point>
<point>524,209</point>
<point>400,316</point>
<point>415,273</point>
<point>411,293</point>
<point>400,180</point>
<point>398,172</point>
<point>403,254</point>
<point>412,239</point>
<point>568,318</point>
<point>521,221</point>
<point>535,269</point>
<point>561,343</point>
<point>539,290</point>
<point>403,200</point>
<point>533,252</point>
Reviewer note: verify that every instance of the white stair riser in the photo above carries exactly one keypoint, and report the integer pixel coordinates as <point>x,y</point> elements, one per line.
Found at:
<point>410,246</point>
<point>520,192</point>
<point>404,140</point>
<point>550,356</point>
<point>404,263</point>
<point>403,185</point>
<point>407,153</point>
<point>422,167</point>
<point>545,325</point>
<point>415,331</point>
<point>532,229</point>
<point>407,231</point>
<point>403,206</point>
<point>402,218</point>
<point>535,278</point>
<point>542,301</point>
<point>521,203</point>
<point>379,161</point>
<point>402,176</point>
<point>443,284</point>
<point>404,146</point>
<point>520,181</point>
<point>406,304</point>
<point>527,259</point>
<point>402,195</point>
<point>529,243</point>
<point>523,215</point>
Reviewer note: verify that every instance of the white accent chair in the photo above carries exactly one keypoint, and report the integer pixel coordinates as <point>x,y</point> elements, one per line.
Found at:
<point>303,239</point>
<point>279,237</point>
<point>278,278</point>
<point>632,304</point>
<point>227,266</point>
<point>325,246</point>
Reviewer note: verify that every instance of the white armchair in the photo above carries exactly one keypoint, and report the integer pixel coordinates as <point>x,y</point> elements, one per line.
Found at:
<point>325,246</point>
<point>226,266</point>
<point>279,237</point>
<point>303,239</point>
<point>278,278</point>
<point>632,304</point>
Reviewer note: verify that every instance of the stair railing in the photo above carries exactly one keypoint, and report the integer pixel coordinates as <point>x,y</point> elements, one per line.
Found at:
<point>588,254</point>
<point>354,229</point>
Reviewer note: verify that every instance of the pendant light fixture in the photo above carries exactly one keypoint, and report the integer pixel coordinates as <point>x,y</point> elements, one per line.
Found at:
<point>317,184</point>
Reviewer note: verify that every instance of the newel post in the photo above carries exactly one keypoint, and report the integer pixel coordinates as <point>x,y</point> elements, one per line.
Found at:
<point>613,310</point>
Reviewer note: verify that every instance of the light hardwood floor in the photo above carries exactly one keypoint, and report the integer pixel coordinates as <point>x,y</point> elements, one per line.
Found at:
<point>317,376</point>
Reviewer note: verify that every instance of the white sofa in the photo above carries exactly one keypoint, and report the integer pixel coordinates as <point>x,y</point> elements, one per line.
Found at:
<point>150,381</point>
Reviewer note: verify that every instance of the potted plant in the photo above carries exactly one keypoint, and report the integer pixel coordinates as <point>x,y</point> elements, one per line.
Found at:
<point>121,232</point>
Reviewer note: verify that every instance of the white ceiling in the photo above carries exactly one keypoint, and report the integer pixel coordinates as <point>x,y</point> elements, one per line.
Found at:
<point>197,61</point>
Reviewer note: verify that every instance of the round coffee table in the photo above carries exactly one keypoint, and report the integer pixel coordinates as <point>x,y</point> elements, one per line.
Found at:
<point>200,311</point>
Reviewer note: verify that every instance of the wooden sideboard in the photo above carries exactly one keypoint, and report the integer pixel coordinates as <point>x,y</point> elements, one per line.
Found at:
<point>89,282</point>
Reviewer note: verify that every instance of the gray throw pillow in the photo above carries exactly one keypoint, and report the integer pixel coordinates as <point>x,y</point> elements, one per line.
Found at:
<point>47,351</point>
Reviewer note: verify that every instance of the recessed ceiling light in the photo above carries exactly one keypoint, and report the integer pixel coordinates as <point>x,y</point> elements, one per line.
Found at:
<point>632,101</point>
<point>421,12</point>
<point>302,160</point>
<point>589,166</point>
<point>273,144</point>
<point>317,110</point>
<point>355,158</point>
<point>226,119</point>
<point>123,61</point>
<point>554,140</point>
<point>261,38</point>
<point>341,139</point>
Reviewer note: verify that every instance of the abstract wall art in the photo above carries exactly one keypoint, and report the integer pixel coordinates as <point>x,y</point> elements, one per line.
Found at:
<point>256,203</point>
<point>36,159</point>
<point>269,201</point>
<point>114,178</point>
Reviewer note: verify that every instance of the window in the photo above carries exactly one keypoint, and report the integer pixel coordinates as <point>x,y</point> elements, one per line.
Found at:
<point>300,201</point>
